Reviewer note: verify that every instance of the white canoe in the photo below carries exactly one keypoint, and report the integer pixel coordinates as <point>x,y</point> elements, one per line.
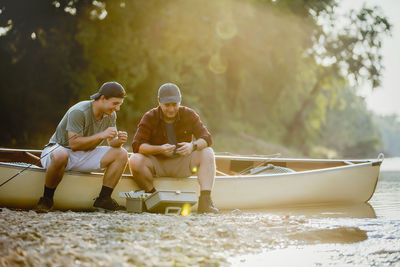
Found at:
<point>314,182</point>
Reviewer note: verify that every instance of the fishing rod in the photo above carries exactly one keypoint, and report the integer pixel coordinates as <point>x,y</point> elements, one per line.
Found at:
<point>27,167</point>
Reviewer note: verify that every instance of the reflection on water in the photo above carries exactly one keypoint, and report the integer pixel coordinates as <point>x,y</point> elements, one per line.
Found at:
<point>334,235</point>
<point>360,235</point>
<point>359,210</point>
<point>386,200</point>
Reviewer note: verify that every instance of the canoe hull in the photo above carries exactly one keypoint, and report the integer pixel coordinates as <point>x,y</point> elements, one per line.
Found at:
<point>77,191</point>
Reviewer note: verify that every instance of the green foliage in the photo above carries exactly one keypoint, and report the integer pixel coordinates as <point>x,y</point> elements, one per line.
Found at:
<point>355,46</point>
<point>350,53</point>
<point>40,70</point>
<point>225,56</point>
<point>248,67</point>
<point>350,128</point>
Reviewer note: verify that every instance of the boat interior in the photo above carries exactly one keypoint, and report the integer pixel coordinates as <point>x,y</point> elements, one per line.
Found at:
<point>227,164</point>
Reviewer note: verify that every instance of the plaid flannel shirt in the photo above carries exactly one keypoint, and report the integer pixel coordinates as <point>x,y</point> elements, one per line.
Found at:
<point>151,129</point>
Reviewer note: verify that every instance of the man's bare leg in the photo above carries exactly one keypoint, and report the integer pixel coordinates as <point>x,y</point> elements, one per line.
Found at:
<point>54,174</point>
<point>204,160</point>
<point>55,171</point>
<point>115,162</point>
<point>142,170</point>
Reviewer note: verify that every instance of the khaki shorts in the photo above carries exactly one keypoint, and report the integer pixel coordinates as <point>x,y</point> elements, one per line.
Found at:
<point>83,161</point>
<point>178,167</point>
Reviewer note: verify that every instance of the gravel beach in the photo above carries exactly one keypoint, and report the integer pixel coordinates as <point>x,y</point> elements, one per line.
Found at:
<point>127,239</point>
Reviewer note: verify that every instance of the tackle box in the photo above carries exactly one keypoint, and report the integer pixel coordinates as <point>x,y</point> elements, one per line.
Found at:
<point>170,201</point>
<point>135,200</point>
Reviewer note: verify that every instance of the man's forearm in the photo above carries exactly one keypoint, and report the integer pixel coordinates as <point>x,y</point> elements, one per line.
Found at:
<point>148,149</point>
<point>201,143</point>
<point>84,142</point>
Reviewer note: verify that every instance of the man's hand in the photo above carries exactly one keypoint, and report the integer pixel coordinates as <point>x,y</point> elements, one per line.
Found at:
<point>122,137</point>
<point>184,149</point>
<point>118,140</point>
<point>167,149</point>
<point>109,133</point>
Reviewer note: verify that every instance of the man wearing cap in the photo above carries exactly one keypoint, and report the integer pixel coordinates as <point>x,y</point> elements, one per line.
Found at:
<point>78,144</point>
<point>164,146</point>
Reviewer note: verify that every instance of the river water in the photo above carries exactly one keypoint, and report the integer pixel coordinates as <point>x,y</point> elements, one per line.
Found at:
<point>355,235</point>
<point>331,238</point>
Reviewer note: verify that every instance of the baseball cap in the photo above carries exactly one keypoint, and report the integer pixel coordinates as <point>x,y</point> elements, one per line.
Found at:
<point>169,93</point>
<point>110,89</point>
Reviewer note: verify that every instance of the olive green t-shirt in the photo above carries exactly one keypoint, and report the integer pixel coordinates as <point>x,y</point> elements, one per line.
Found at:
<point>80,119</point>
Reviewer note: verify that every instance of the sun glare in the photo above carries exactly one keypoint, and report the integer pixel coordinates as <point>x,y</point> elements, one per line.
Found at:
<point>186,209</point>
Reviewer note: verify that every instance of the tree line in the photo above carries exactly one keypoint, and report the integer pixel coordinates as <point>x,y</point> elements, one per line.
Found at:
<point>277,70</point>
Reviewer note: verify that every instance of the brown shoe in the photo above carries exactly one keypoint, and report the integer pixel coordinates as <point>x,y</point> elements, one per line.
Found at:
<point>206,205</point>
<point>44,205</point>
<point>107,203</point>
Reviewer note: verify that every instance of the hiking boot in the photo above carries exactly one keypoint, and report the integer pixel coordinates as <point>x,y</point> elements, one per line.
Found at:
<point>206,205</point>
<point>44,205</point>
<point>107,203</point>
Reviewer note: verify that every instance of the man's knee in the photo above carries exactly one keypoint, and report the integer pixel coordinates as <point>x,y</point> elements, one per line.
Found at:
<point>136,161</point>
<point>59,157</point>
<point>118,154</point>
<point>208,153</point>
<point>122,155</point>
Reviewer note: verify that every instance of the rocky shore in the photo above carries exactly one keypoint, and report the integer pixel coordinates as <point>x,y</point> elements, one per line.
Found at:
<point>126,239</point>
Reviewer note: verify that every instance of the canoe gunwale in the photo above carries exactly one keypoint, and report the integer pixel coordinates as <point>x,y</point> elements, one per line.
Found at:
<point>253,158</point>
<point>235,157</point>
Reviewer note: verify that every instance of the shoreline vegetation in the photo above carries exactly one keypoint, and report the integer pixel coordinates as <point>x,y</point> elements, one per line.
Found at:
<point>245,144</point>
<point>266,77</point>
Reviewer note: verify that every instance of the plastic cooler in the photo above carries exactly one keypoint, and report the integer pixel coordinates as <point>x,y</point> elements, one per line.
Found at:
<point>170,201</point>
